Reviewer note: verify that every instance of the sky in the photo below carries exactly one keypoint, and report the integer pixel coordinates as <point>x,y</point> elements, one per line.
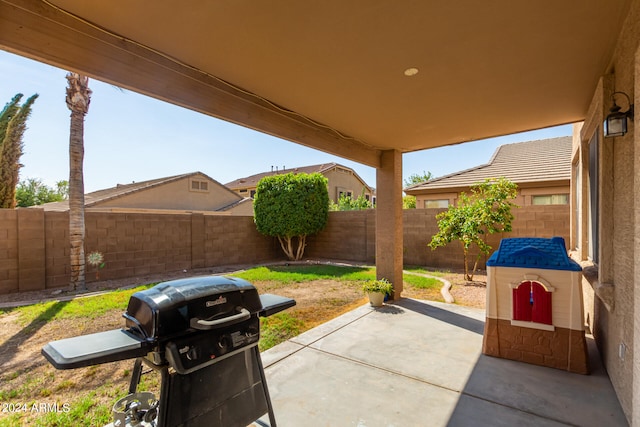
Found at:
<point>131,138</point>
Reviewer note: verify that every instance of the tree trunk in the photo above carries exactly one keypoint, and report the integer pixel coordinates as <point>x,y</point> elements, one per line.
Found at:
<point>286,243</point>
<point>475,266</point>
<point>302,243</point>
<point>78,98</point>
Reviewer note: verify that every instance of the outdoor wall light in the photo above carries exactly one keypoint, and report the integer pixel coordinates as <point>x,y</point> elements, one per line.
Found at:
<point>616,122</point>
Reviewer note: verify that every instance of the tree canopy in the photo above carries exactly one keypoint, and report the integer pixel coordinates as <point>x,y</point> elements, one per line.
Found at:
<point>291,207</point>
<point>33,192</point>
<point>348,203</point>
<point>13,123</point>
<point>486,211</point>
<point>417,178</point>
<point>408,202</point>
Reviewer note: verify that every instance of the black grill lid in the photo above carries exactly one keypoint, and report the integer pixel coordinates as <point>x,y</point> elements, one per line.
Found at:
<point>175,306</point>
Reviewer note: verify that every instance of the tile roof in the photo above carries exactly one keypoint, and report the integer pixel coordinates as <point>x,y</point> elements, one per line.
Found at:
<point>91,199</point>
<point>252,181</point>
<point>533,252</point>
<point>523,162</point>
<point>236,204</point>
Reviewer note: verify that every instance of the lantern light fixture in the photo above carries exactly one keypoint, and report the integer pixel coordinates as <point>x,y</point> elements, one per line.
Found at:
<point>615,124</point>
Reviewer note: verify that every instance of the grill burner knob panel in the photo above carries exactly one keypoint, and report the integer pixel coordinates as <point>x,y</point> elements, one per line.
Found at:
<point>193,352</point>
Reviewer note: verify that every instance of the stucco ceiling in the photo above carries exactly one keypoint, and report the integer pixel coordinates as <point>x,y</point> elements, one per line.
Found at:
<point>337,67</point>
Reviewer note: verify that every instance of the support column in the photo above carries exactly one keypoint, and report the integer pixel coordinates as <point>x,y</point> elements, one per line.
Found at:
<point>389,220</point>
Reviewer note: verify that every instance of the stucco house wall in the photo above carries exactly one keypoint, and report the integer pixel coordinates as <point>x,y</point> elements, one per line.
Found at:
<point>605,222</point>
<point>341,179</point>
<point>243,208</point>
<point>191,192</point>
<point>539,168</point>
<point>524,198</point>
<point>344,180</point>
<point>177,195</point>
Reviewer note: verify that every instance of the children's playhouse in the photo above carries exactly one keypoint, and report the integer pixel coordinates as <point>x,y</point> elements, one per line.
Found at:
<point>534,305</point>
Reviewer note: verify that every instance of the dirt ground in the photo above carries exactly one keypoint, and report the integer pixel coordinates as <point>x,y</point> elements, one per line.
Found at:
<point>27,377</point>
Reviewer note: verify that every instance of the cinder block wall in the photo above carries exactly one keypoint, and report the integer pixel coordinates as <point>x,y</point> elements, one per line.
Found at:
<point>34,245</point>
<point>351,235</point>
<point>348,236</point>
<point>230,240</point>
<point>8,251</point>
<point>529,221</point>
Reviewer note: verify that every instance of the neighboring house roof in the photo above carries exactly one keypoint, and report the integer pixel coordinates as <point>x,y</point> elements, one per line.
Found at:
<point>108,194</point>
<point>538,161</point>
<point>252,181</point>
<point>238,205</point>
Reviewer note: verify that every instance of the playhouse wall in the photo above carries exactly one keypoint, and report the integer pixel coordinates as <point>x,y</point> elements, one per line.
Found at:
<point>567,309</point>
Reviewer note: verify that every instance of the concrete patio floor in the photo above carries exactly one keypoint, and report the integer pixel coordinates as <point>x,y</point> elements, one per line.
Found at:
<point>419,363</point>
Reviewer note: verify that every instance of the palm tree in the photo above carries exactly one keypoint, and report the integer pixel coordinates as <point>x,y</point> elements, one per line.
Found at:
<point>13,123</point>
<point>78,98</point>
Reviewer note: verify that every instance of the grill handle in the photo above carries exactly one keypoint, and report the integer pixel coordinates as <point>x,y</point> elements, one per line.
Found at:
<point>201,324</point>
<point>136,325</point>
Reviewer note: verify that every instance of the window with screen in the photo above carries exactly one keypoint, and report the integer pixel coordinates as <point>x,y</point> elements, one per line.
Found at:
<point>550,199</point>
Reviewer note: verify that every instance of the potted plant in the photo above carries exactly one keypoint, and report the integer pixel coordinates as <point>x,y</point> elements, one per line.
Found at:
<point>376,291</point>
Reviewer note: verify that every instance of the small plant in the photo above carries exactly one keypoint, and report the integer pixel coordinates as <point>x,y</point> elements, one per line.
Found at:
<point>96,259</point>
<point>381,286</point>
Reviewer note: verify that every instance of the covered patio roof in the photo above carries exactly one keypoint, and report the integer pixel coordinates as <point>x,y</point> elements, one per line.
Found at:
<point>331,74</point>
<point>367,80</point>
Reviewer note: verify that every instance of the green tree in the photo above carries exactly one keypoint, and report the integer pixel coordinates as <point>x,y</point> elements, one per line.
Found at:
<point>13,123</point>
<point>62,188</point>
<point>417,178</point>
<point>33,192</point>
<point>408,202</point>
<point>486,211</point>
<point>78,99</point>
<point>291,207</point>
<point>348,203</point>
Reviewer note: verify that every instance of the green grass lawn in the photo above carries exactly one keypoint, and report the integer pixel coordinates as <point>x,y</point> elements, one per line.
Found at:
<point>285,275</point>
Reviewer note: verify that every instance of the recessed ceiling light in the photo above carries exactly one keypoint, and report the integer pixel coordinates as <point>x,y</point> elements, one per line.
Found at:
<point>410,72</point>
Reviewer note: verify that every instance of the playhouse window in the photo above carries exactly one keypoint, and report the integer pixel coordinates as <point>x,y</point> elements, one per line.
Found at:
<point>532,303</point>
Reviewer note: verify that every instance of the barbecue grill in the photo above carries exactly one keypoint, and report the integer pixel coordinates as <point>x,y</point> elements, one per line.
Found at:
<point>201,334</point>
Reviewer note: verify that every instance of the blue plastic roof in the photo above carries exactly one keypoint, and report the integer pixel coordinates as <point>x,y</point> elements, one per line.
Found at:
<point>533,252</point>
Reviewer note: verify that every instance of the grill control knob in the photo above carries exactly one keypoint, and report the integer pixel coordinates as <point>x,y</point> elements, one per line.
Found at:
<point>223,342</point>
<point>192,354</point>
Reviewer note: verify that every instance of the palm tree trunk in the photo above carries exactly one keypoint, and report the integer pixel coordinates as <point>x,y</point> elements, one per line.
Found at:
<point>78,98</point>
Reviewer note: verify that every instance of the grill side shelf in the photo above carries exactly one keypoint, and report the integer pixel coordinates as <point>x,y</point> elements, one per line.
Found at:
<point>272,304</point>
<point>94,349</point>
